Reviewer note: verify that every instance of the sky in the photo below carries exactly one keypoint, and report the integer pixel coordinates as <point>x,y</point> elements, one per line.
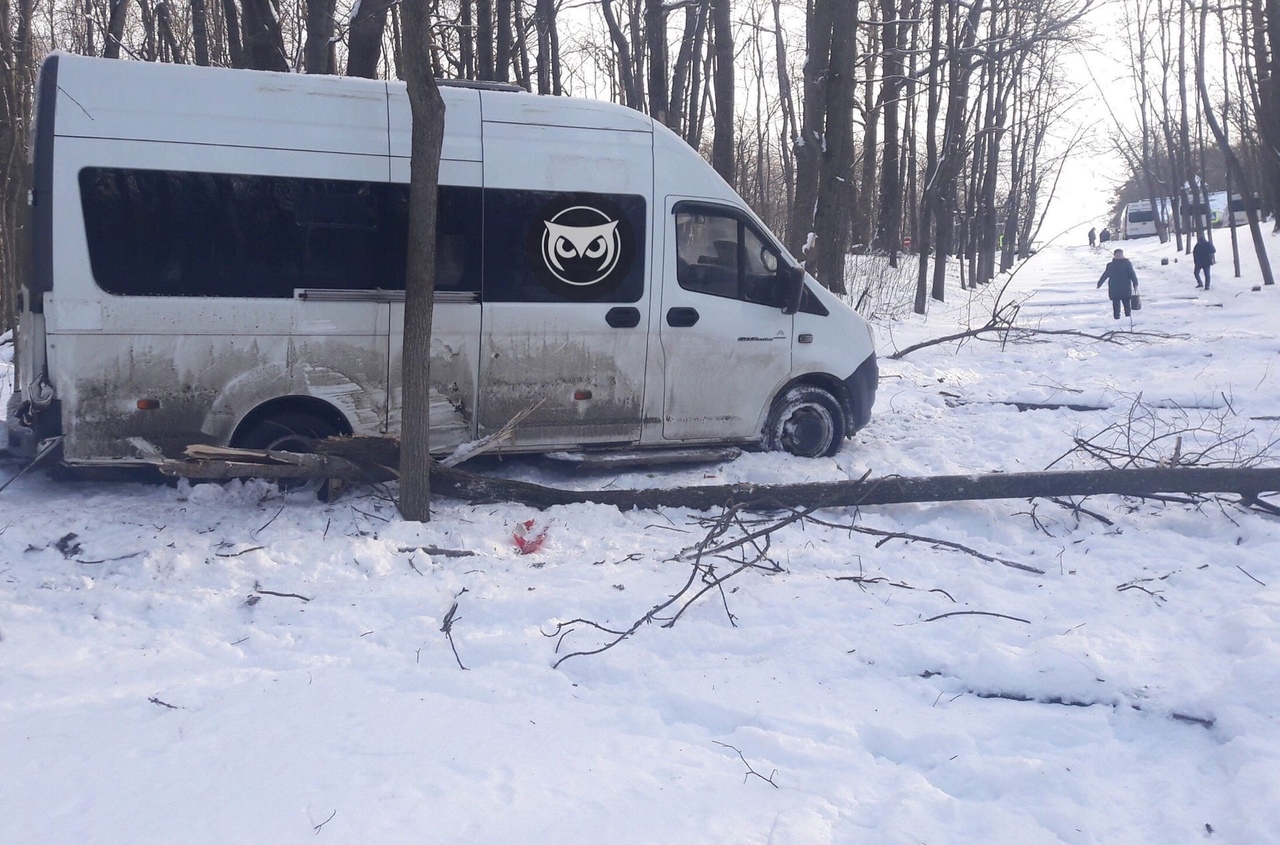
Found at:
<point>224,663</point>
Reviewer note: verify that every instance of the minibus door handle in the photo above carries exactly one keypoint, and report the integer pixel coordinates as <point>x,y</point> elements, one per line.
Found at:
<point>623,317</point>
<point>682,318</point>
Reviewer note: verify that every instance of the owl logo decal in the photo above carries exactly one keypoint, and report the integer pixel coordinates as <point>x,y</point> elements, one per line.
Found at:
<point>581,247</point>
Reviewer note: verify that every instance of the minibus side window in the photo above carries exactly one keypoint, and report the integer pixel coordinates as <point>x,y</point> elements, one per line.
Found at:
<point>722,255</point>
<point>180,233</point>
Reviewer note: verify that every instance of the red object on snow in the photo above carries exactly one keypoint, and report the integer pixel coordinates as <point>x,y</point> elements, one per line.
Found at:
<point>528,540</point>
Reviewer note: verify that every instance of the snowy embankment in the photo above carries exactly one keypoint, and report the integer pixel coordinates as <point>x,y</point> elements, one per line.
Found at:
<point>218,664</point>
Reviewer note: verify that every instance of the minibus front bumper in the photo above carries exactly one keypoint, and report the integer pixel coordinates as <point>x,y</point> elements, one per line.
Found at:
<point>860,393</point>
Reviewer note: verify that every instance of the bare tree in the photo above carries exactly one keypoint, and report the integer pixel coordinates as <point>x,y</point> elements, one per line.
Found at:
<point>831,214</point>
<point>722,145</point>
<point>427,108</point>
<point>17,64</point>
<point>1233,161</point>
<point>318,55</point>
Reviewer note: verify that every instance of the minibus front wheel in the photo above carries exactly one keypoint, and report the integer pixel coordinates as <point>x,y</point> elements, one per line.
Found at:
<point>806,421</point>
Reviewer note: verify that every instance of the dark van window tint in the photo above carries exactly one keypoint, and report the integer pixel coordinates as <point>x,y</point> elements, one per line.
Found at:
<point>545,246</point>
<point>723,255</point>
<point>171,233</point>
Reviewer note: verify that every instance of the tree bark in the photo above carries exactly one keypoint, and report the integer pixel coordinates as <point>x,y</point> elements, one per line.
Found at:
<point>889,218</point>
<point>119,13</point>
<point>318,54</point>
<point>722,144</point>
<point>502,55</point>
<point>655,22</point>
<point>200,32</point>
<point>364,43</point>
<point>17,57</point>
<point>427,112</point>
<point>811,138</point>
<point>832,214</point>
<point>263,41</point>
<point>470,487</point>
<point>235,47</point>
<point>484,40</point>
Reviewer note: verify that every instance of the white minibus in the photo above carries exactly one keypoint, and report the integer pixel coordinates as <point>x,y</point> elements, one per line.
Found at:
<point>218,257</point>
<point>1139,221</point>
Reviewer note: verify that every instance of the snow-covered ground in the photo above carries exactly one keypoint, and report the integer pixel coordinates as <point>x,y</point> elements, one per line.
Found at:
<point>221,664</point>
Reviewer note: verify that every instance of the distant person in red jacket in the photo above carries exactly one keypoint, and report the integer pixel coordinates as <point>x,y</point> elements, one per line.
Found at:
<point>1202,254</point>
<point>1121,281</point>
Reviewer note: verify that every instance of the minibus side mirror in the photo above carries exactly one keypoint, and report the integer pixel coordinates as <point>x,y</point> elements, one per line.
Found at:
<point>792,279</point>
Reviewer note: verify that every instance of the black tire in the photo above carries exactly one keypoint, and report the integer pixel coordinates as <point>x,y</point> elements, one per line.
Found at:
<point>807,422</point>
<point>290,431</point>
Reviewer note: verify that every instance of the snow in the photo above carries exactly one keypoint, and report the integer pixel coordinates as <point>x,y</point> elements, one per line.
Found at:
<point>214,664</point>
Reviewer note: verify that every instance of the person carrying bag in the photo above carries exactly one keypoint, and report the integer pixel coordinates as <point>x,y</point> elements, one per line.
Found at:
<point>1122,284</point>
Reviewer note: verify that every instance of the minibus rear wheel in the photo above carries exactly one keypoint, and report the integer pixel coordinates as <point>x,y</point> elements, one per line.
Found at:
<point>290,431</point>
<point>806,421</point>
<point>293,431</point>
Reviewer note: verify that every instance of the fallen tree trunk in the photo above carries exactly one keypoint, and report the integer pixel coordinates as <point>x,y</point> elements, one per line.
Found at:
<point>879,491</point>
<point>470,487</point>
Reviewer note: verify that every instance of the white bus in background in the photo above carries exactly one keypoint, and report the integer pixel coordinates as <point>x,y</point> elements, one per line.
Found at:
<point>1139,221</point>
<point>219,258</point>
<point>1211,213</point>
<point>1234,214</point>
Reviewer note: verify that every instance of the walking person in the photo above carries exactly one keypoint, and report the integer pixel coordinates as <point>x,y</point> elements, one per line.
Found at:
<point>1122,283</point>
<point>1093,236</point>
<point>1202,254</point>
<point>1105,236</point>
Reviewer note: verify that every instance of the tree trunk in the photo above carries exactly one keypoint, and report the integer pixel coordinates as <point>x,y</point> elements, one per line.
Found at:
<point>722,144</point>
<point>889,216</point>
<point>543,12</point>
<point>318,54</point>
<point>16,80</point>
<point>812,136</point>
<point>466,40</point>
<point>427,112</point>
<point>684,74</point>
<point>263,41</point>
<point>926,204</point>
<point>235,47</point>
<point>626,77</point>
<point>502,54</point>
<point>200,31</point>
<point>364,42</point>
<point>454,483</point>
<point>655,22</point>
<point>1233,161</point>
<point>831,219</point>
<point>484,39</point>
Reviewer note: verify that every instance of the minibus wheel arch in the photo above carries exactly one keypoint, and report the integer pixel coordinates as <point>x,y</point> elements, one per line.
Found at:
<point>288,424</point>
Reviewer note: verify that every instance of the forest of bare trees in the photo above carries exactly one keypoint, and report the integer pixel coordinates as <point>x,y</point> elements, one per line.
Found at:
<point>1205,79</point>
<point>929,128</point>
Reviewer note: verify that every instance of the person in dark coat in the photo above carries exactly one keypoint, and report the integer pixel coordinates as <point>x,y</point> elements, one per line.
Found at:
<point>1122,283</point>
<point>1202,254</point>
<point>1093,236</point>
<point>1105,236</point>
